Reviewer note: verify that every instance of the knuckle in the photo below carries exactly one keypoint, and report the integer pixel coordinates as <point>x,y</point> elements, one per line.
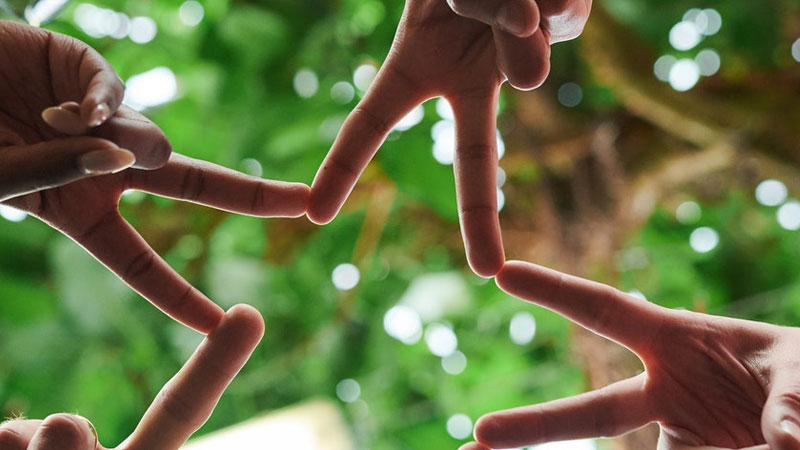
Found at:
<point>139,265</point>
<point>193,183</point>
<point>370,122</point>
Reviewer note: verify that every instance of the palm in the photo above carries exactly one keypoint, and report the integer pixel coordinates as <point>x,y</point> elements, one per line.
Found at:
<point>441,53</point>
<point>708,378</point>
<point>711,383</point>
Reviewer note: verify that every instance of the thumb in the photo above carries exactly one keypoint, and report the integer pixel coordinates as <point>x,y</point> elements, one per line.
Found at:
<point>780,420</point>
<point>29,168</point>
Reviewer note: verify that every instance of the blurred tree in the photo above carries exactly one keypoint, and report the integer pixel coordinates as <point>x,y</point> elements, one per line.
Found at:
<point>609,172</point>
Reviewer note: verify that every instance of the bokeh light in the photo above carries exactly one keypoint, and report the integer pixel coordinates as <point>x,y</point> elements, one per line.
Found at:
<point>684,35</point>
<point>143,30</point>
<point>441,339</point>
<point>348,390</point>
<point>789,215</point>
<point>454,363</point>
<point>12,214</point>
<point>771,192</point>
<point>363,76</point>
<point>191,13</point>
<point>306,83</point>
<point>345,276</point>
<point>342,92</point>
<point>459,426</point>
<point>704,239</point>
<point>684,74</point>
<point>522,328</point>
<point>152,88</point>
<point>708,61</point>
<point>403,323</point>
<point>410,120</point>
<point>688,212</point>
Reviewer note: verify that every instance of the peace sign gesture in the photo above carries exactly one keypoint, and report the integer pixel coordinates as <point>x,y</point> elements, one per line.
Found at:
<point>439,53</point>
<point>181,408</point>
<point>710,382</point>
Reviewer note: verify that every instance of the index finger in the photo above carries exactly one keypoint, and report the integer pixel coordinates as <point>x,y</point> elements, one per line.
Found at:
<point>475,166</point>
<point>204,183</point>
<point>623,318</point>
<point>389,99</point>
<point>187,400</point>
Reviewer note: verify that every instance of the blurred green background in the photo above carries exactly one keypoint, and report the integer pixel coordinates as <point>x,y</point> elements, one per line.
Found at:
<point>661,156</point>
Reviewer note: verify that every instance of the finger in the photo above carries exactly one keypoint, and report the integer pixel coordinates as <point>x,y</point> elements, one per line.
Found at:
<point>780,420</point>
<point>64,432</point>
<point>524,61</point>
<point>16,434</point>
<point>475,168</point>
<point>563,20</point>
<point>623,318</point>
<point>518,17</point>
<point>611,411</point>
<point>391,96</point>
<point>187,400</point>
<point>119,247</point>
<point>101,88</point>
<point>473,446</point>
<point>65,118</point>
<point>131,130</point>
<point>201,182</point>
<point>29,168</point>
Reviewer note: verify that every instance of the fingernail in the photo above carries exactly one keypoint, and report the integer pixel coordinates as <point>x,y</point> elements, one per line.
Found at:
<point>72,107</point>
<point>100,162</point>
<point>789,427</point>
<point>509,19</point>
<point>64,121</point>
<point>99,115</point>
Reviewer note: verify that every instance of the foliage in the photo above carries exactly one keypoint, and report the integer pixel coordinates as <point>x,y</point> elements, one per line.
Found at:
<point>74,338</point>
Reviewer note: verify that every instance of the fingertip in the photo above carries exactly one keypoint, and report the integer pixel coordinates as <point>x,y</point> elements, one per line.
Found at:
<point>298,196</point>
<point>11,440</point>
<point>473,446</point>
<point>64,121</point>
<point>66,431</point>
<point>486,266</point>
<point>246,318</point>
<point>319,210</point>
<point>487,429</point>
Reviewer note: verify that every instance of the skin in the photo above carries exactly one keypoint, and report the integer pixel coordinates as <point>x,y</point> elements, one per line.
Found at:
<point>710,382</point>
<point>49,181</point>
<point>181,408</point>
<point>436,52</point>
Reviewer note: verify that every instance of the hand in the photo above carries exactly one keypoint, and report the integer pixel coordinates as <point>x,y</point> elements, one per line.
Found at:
<point>438,53</point>
<point>87,212</point>
<point>39,70</point>
<point>45,174</point>
<point>710,382</point>
<point>181,408</point>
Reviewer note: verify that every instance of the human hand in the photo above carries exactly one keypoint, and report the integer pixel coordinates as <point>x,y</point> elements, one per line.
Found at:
<point>87,211</point>
<point>181,408</point>
<point>44,76</point>
<point>438,53</point>
<point>45,174</point>
<point>710,382</point>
